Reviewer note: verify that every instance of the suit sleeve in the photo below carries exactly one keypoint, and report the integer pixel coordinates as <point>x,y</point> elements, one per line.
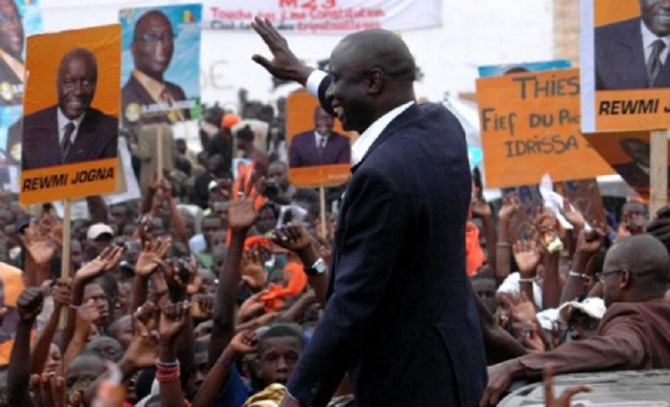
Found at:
<point>374,231</point>
<point>621,346</point>
<point>294,155</point>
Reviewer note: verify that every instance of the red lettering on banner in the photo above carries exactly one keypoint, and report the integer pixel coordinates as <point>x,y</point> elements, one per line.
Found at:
<point>288,3</point>
<point>221,14</point>
<point>310,4</point>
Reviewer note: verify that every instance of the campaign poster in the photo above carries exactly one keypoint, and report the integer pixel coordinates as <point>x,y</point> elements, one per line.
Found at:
<point>319,150</point>
<point>160,72</point>
<point>625,74</point>
<point>71,107</point>
<point>509,69</point>
<point>24,18</point>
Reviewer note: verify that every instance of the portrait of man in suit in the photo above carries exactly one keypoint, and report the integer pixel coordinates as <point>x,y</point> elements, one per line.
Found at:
<point>152,48</point>
<point>72,130</point>
<point>321,146</point>
<point>12,70</point>
<point>635,172</point>
<point>632,54</point>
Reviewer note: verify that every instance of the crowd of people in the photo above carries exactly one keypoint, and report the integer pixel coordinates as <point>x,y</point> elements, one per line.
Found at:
<point>206,293</point>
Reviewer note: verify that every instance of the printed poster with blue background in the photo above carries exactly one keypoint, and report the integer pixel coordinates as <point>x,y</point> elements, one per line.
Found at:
<point>160,65</point>
<point>23,18</point>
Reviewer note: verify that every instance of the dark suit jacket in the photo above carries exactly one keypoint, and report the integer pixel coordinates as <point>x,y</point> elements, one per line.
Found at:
<point>303,151</point>
<point>134,92</point>
<point>96,138</point>
<point>631,336</point>
<point>401,318</point>
<point>633,175</point>
<point>619,58</point>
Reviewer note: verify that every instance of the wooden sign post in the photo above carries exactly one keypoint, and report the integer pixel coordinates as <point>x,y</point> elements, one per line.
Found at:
<point>658,174</point>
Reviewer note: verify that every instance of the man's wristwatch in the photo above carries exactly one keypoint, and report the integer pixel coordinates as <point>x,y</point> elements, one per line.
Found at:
<point>319,267</point>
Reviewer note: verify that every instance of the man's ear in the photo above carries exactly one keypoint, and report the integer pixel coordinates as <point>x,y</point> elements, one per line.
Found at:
<point>375,81</point>
<point>625,280</point>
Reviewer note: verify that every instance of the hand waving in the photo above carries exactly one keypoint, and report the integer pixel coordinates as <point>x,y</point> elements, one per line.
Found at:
<point>243,209</point>
<point>510,207</point>
<point>284,65</point>
<point>108,260</point>
<point>151,255</point>
<point>527,256</point>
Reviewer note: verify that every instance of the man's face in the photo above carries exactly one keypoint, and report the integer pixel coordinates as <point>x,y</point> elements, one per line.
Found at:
<point>77,77</point>
<point>11,29</point>
<point>107,348</point>
<point>95,292</point>
<point>581,326</point>
<point>153,45</point>
<point>76,254</point>
<point>277,173</point>
<point>611,280</point>
<point>54,359</point>
<point>277,359</point>
<point>486,291</point>
<point>347,92</point>
<point>656,16</point>
<point>637,150</point>
<point>323,122</point>
<point>209,226</point>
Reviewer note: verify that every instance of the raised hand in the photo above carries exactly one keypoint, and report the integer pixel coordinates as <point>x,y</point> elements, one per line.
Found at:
<point>87,317</point>
<point>243,209</point>
<point>510,206</point>
<point>293,237</point>
<point>173,320</point>
<point>152,253</point>
<point>202,307</point>
<point>179,273</point>
<point>147,316</point>
<point>284,64</point>
<point>590,242</point>
<point>29,304</point>
<point>48,391</point>
<point>62,293</point>
<point>143,348</point>
<point>527,256</point>
<point>481,209</point>
<point>573,215</point>
<point>39,246</point>
<point>244,342</point>
<point>250,308</point>
<point>253,273</point>
<point>565,399</point>
<point>106,261</point>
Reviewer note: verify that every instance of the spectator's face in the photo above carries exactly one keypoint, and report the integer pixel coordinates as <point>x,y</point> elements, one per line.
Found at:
<point>83,371</point>
<point>277,173</point>
<point>11,29</point>
<point>637,150</point>
<point>208,281</point>
<point>221,209</point>
<point>581,326</point>
<point>486,291</point>
<point>209,226</point>
<point>277,358</point>
<point>611,275</point>
<point>76,253</point>
<point>218,238</point>
<point>124,331</point>
<point>95,292</point>
<point>118,216</point>
<point>77,78</point>
<point>267,220</point>
<point>323,122</point>
<point>153,45</point>
<point>656,16</point>
<point>53,360</point>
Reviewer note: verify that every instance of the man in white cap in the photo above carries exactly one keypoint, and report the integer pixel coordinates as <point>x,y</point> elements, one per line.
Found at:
<point>581,318</point>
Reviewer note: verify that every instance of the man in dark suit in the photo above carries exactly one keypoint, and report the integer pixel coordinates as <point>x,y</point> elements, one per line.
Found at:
<point>636,172</point>
<point>401,317</point>
<point>152,48</point>
<point>632,54</point>
<point>12,69</point>
<point>321,146</point>
<point>71,131</point>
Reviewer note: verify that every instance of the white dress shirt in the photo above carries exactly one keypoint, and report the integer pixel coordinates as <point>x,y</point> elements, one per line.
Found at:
<point>372,133</point>
<point>648,39</point>
<point>62,123</point>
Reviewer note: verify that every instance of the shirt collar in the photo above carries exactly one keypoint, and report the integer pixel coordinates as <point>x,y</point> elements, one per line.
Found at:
<point>369,136</point>
<point>63,121</point>
<point>649,37</point>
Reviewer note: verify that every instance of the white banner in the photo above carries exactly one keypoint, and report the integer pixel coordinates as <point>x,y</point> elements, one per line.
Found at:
<point>323,16</point>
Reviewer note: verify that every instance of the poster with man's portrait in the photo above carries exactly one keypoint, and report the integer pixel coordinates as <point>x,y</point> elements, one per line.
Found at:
<point>71,107</point>
<point>160,65</point>
<point>18,19</point>
<point>625,76</point>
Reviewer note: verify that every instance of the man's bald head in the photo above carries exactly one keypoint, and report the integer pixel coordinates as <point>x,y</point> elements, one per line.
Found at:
<point>635,270</point>
<point>373,73</point>
<point>379,49</point>
<point>11,31</point>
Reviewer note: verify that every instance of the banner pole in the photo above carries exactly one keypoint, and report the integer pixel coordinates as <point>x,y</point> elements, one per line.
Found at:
<point>322,199</point>
<point>65,253</point>
<point>658,174</point>
<point>159,152</point>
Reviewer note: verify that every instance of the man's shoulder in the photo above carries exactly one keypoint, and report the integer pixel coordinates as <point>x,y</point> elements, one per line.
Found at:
<point>301,137</point>
<point>632,310</point>
<point>102,121</point>
<point>617,28</point>
<point>40,116</point>
<point>175,89</point>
